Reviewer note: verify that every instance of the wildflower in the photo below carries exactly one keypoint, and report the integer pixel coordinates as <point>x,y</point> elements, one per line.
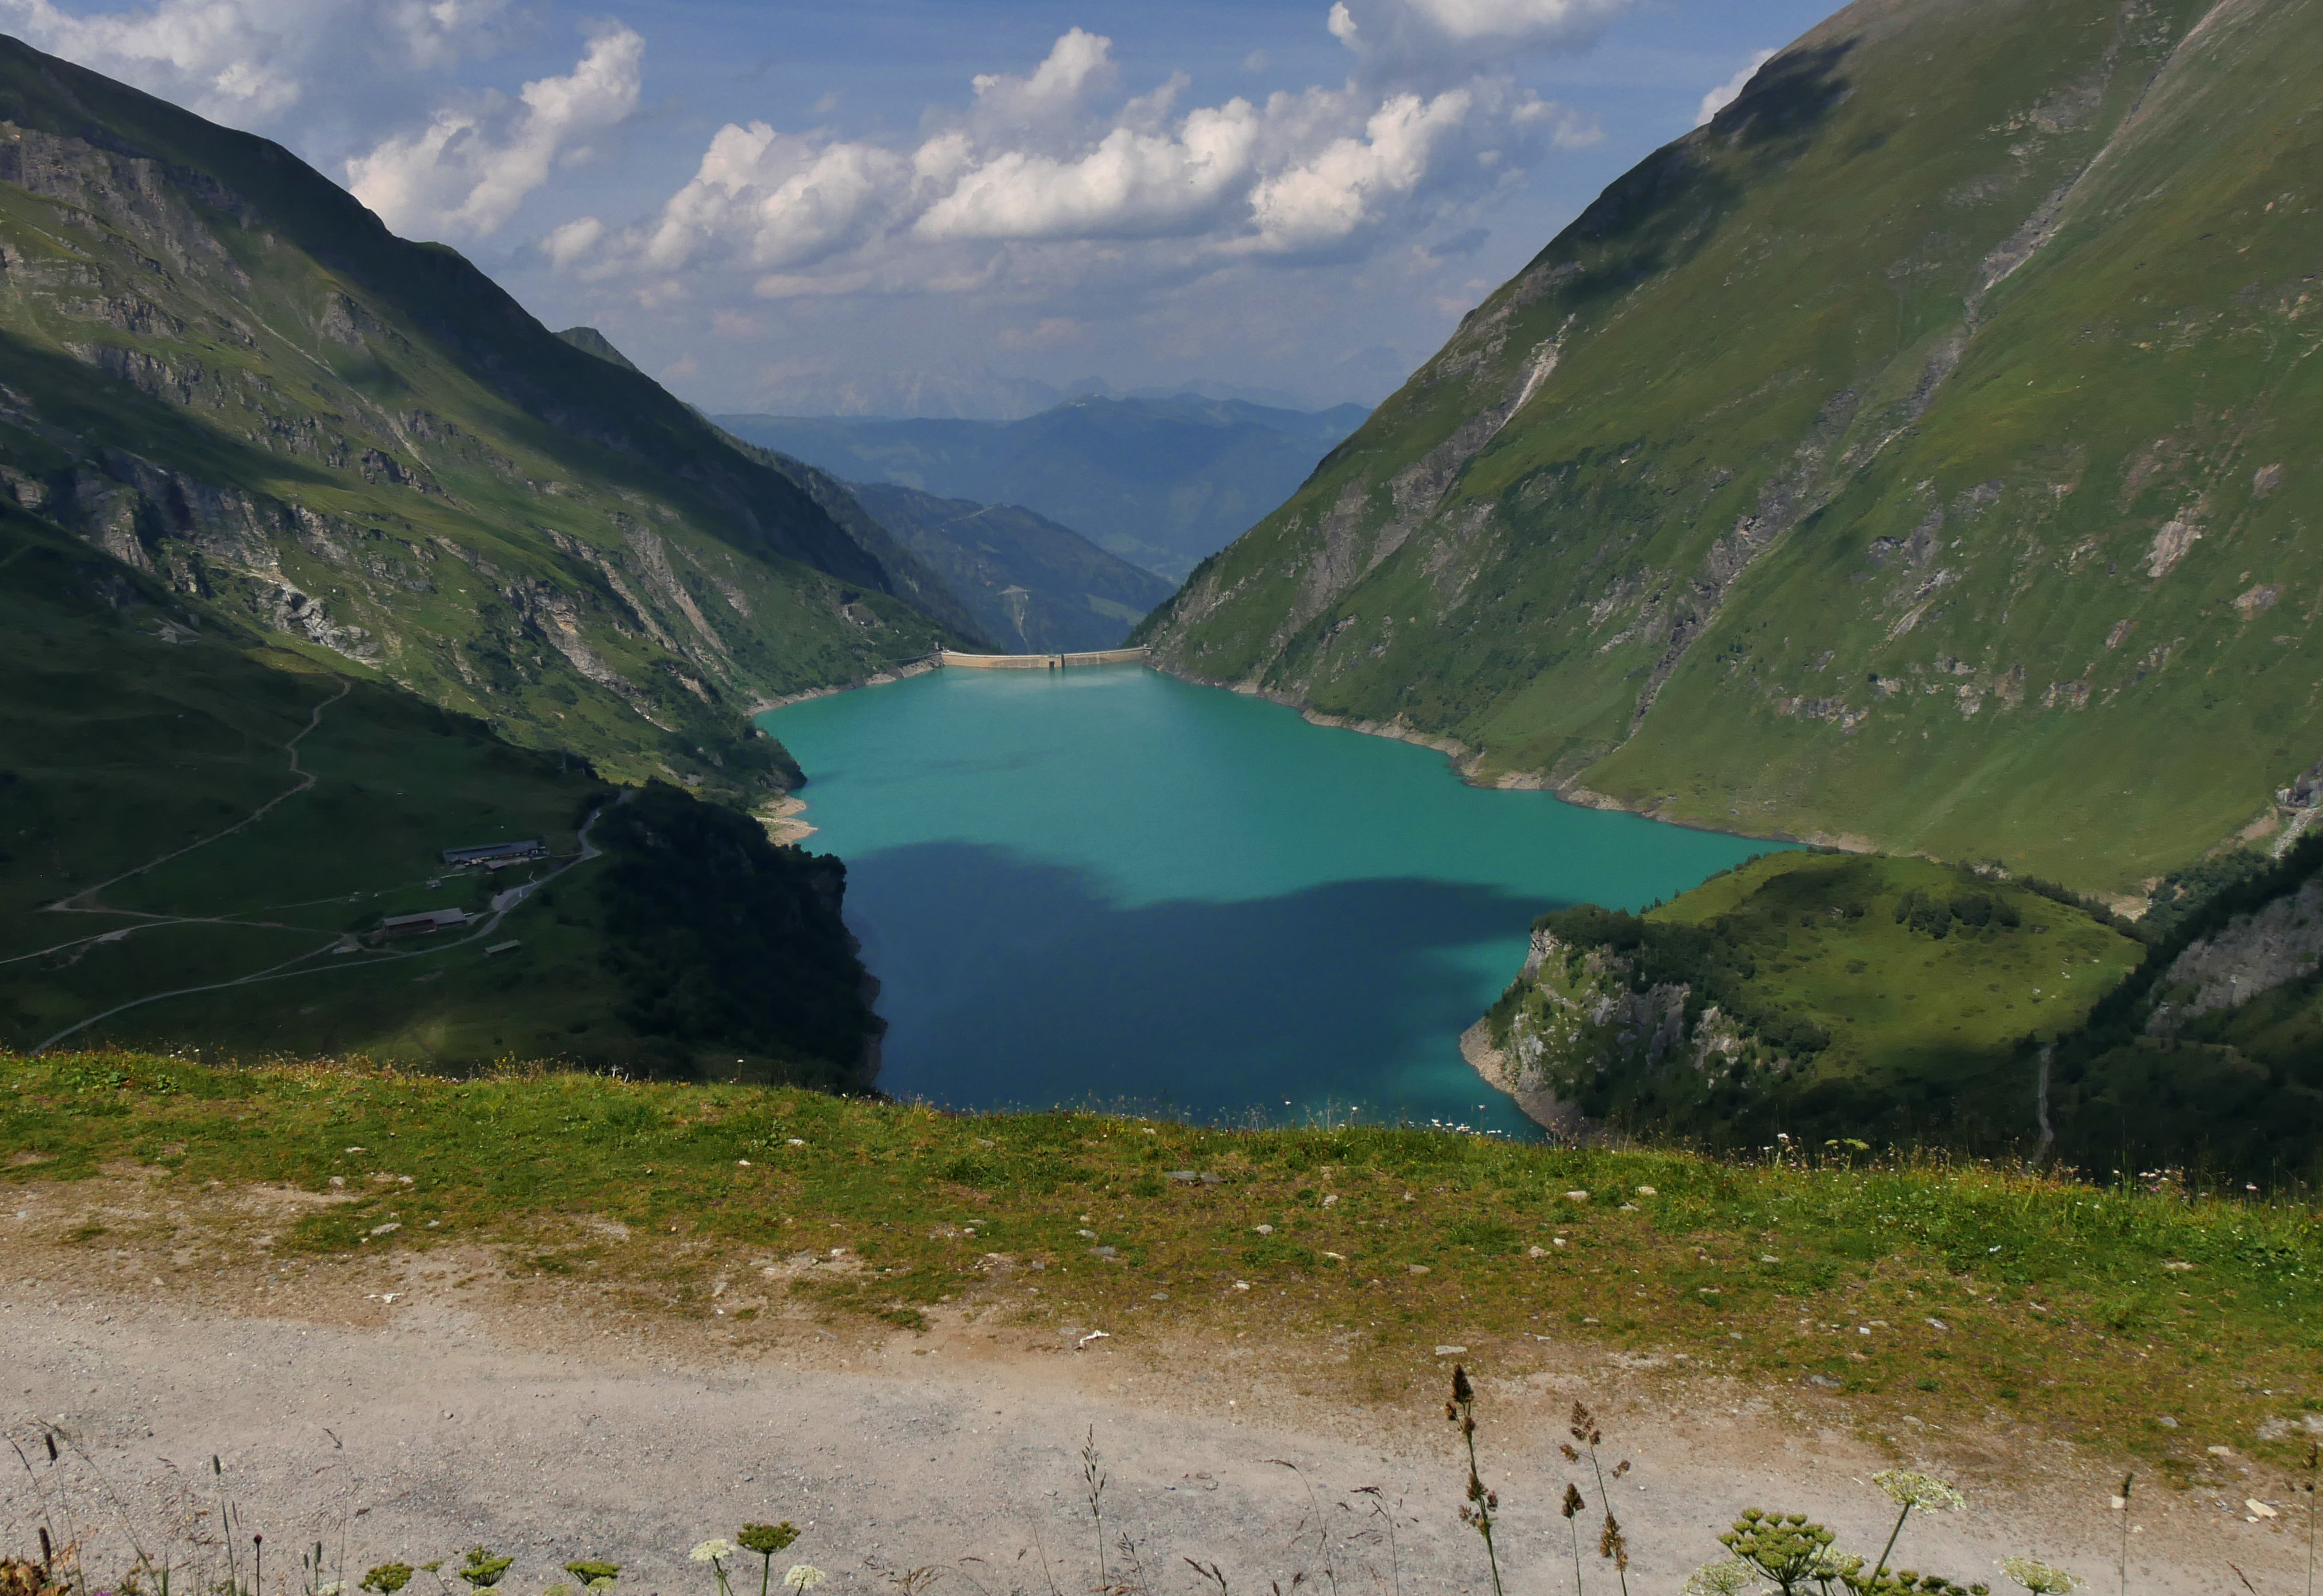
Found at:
<point>1729,1576</point>
<point>765,1540</point>
<point>387,1579</point>
<point>714,1552</point>
<point>1790,1550</point>
<point>332,1588</point>
<point>802,1577</point>
<point>482,1570</point>
<point>1908,1490</point>
<point>2038,1577</point>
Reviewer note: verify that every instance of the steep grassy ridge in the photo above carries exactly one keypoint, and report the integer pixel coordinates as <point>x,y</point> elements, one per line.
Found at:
<point>1922,451</point>
<point>195,826</point>
<point>1961,1295</point>
<point>221,368</point>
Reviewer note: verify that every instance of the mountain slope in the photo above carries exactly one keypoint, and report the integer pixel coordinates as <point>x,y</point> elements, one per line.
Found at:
<point>1919,454</point>
<point>589,340</point>
<point>1033,585</point>
<point>222,370</point>
<point>1159,482</point>
<point>200,834</point>
<point>1821,995</point>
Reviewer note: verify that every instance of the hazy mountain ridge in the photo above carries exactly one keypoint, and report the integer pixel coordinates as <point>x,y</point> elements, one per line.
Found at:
<point>1916,454</point>
<point>1160,483</point>
<point>222,370</point>
<point>1035,587</point>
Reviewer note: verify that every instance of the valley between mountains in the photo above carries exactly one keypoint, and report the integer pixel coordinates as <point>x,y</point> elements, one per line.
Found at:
<point>437,1087</point>
<point>1914,463</point>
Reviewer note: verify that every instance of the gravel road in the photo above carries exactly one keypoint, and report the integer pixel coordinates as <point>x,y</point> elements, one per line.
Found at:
<point>389,1410</point>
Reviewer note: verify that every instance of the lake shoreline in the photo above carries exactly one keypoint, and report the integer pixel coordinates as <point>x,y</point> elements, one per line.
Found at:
<point>1041,872</point>
<point>1466,761</point>
<point>879,678</point>
<point>1565,1124</point>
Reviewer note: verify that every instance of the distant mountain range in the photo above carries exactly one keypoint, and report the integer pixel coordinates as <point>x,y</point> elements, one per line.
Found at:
<point>1032,586</point>
<point>971,395</point>
<point>1161,482</point>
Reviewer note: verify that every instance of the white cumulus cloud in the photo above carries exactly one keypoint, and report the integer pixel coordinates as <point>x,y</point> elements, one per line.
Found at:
<point>1727,92</point>
<point>1043,175</point>
<point>248,62</point>
<point>1404,40</point>
<point>466,172</point>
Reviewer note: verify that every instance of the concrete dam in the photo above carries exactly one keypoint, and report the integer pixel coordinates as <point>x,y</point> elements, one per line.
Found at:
<point>1038,662</point>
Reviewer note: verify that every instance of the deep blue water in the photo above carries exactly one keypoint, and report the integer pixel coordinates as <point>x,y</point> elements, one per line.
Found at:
<point>1105,886</point>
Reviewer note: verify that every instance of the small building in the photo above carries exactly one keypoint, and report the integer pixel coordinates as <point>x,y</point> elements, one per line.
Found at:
<point>491,856</point>
<point>420,924</point>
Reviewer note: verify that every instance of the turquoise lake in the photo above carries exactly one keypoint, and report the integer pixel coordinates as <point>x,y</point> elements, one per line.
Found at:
<point>1105,887</point>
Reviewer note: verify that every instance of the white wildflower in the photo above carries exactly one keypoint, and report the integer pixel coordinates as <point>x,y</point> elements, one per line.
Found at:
<point>711,1551</point>
<point>1924,1491</point>
<point>2038,1577</point>
<point>803,1576</point>
<point>1729,1576</point>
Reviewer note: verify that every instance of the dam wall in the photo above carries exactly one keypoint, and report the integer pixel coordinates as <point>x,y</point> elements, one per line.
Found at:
<point>1038,662</point>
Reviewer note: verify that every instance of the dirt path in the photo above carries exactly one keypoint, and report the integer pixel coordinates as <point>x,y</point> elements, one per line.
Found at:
<point>484,927</point>
<point>417,1405</point>
<point>84,901</point>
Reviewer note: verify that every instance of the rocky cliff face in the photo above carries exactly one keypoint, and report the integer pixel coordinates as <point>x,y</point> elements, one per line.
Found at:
<point>2255,953</point>
<point>218,368</point>
<point>1577,1019</point>
<point>1913,456</point>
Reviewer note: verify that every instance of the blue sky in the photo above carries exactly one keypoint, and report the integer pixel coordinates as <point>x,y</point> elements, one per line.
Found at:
<point>907,206</point>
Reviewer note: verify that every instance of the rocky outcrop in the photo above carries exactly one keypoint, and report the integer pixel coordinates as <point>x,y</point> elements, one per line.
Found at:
<point>1577,1020</point>
<point>2256,953</point>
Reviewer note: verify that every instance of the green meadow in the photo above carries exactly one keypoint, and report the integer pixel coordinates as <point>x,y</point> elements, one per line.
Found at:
<point>1952,1290</point>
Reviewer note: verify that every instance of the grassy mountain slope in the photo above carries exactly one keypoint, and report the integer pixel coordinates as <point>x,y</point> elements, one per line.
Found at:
<point>1829,995</point>
<point>1920,453</point>
<point>1032,586</point>
<point>220,369</point>
<point>189,810</point>
<point>1822,994</point>
<point>589,340</point>
<point>1159,482</point>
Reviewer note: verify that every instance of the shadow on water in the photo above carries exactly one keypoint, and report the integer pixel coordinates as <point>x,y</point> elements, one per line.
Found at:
<point>1014,982</point>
